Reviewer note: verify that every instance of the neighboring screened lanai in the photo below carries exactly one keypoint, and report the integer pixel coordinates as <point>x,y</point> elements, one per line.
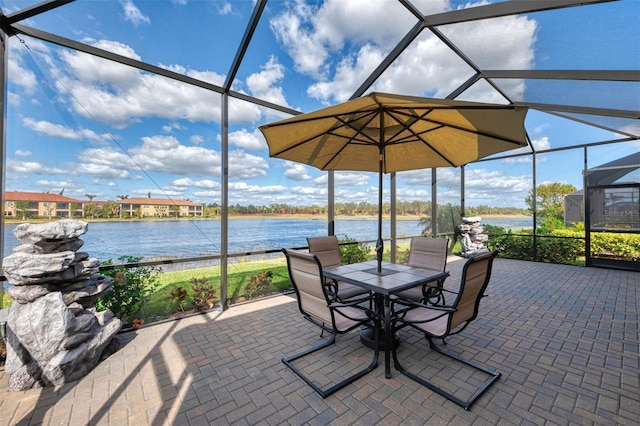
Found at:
<point>114,100</point>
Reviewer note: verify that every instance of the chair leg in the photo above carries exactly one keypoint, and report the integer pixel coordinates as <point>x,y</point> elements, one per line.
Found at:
<point>494,375</point>
<point>331,389</point>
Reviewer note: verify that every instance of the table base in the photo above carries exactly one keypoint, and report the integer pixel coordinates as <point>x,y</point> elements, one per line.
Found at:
<point>367,338</point>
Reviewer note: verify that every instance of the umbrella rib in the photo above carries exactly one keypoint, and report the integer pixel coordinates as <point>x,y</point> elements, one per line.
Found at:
<point>303,119</point>
<point>349,140</point>
<point>406,125</point>
<point>443,124</point>
<point>310,138</point>
<point>395,114</point>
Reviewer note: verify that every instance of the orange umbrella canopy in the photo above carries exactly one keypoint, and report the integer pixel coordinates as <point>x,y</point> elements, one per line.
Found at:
<point>405,132</point>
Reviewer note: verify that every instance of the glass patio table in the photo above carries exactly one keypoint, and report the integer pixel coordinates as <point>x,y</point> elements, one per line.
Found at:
<point>392,278</point>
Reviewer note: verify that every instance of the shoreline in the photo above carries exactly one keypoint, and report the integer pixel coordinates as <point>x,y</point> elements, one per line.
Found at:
<point>255,216</point>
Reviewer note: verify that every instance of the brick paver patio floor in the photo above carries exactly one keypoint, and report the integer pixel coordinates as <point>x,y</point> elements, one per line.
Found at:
<point>564,338</point>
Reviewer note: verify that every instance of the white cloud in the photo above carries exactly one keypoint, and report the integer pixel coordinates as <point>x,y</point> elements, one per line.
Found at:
<point>295,171</point>
<point>32,168</point>
<point>343,179</point>
<point>307,50</point>
<point>483,186</point>
<point>244,139</point>
<point>121,95</point>
<point>633,128</point>
<point>18,73</point>
<point>196,139</point>
<point>102,171</point>
<point>256,189</point>
<point>350,73</point>
<point>496,187</point>
<point>184,183</point>
<point>539,144</point>
<point>57,186</point>
<point>225,9</point>
<point>165,154</point>
<point>64,132</point>
<point>262,84</point>
<point>13,99</point>
<point>208,194</point>
<point>133,14</point>
<point>21,153</point>
<point>311,34</point>
<point>21,76</point>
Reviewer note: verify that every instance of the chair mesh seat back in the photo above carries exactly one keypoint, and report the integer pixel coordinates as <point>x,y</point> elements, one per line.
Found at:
<point>326,250</point>
<point>430,253</point>
<point>475,278</point>
<point>308,284</point>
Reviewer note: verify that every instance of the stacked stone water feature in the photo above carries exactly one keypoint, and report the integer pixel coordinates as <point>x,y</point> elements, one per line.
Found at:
<point>54,333</point>
<point>473,237</point>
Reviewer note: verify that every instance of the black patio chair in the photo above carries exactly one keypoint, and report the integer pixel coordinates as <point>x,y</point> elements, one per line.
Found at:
<point>317,304</point>
<point>438,321</point>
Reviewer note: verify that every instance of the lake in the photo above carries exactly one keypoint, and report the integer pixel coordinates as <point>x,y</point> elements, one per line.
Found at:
<point>183,238</point>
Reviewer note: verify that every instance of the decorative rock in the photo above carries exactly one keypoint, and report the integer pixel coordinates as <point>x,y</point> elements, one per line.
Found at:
<point>472,236</point>
<point>43,247</point>
<point>67,229</point>
<point>27,266</point>
<point>54,333</point>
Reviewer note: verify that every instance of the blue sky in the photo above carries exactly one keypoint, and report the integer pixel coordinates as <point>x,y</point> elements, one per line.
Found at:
<point>84,125</point>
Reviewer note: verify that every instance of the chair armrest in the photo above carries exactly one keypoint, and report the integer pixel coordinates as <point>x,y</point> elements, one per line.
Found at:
<point>410,304</point>
<point>332,289</point>
<point>355,303</point>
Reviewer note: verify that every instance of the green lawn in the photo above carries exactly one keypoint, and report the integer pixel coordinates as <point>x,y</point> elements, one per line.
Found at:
<point>161,305</point>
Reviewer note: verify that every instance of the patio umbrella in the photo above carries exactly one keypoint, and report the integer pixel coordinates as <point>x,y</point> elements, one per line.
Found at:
<point>385,133</point>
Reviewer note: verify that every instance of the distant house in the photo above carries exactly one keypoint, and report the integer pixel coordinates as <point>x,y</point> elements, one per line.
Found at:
<point>20,205</point>
<point>40,204</point>
<point>159,207</point>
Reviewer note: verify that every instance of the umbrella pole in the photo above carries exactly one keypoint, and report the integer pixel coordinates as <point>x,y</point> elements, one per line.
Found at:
<point>380,243</point>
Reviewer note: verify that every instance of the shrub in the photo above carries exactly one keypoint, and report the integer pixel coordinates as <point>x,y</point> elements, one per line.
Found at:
<point>560,250</point>
<point>131,289</point>
<point>548,225</point>
<point>178,296</point>
<point>353,253</point>
<point>403,255</point>
<point>204,294</point>
<point>493,230</point>
<point>549,249</point>
<point>258,284</point>
<point>5,300</point>
<point>624,246</point>
<point>512,246</point>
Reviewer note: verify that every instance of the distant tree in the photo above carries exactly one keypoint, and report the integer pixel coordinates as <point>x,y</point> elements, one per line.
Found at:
<point>22,208</point>
<point>449,218</point>
<point>73,209</point>
<point>90,197</point>
<point>174,210</point>
<point>549,202</point>
<point>92,210</point>
<point>111,209</point>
